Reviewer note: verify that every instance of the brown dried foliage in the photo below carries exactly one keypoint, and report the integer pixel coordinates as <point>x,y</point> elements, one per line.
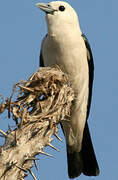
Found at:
<point>37,106</point>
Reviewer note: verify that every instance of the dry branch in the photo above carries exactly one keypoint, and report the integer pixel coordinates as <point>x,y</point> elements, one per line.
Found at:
<point>37,106</point>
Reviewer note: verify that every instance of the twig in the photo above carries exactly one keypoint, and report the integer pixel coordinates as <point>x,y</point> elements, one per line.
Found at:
<point>49,144</point>
<point>44,153</point>
<point>3,133</point>
<point>58,137</point>
<point>32,174</point>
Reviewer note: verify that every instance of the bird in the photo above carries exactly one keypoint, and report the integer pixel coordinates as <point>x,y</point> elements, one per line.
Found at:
<point>66,46</point>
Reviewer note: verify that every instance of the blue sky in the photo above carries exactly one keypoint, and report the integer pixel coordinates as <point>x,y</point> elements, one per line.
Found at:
<point>22,27</point>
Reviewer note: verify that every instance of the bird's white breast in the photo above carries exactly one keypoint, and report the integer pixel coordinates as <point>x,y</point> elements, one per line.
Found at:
<point>70,55</point>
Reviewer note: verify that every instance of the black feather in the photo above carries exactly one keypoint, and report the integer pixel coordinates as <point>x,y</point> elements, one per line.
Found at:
<point>91,71</point>
<point>41,62</point>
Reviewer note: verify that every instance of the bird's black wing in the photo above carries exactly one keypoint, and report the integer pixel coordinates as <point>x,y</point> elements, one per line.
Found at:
<point>41,62</point>
<point>90,165</point>
<point>91,71</point>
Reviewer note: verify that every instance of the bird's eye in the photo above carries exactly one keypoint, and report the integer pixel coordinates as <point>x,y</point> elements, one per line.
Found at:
<point>61,8</point>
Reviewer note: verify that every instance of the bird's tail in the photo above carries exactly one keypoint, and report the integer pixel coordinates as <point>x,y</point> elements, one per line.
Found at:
<point>75,163</point>
<point>84,161</point>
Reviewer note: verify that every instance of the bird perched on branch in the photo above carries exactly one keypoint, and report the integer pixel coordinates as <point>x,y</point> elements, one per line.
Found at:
<point>66,46</point>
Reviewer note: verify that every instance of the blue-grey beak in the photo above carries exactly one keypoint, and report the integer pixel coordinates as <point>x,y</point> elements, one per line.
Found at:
<point>46,7</point>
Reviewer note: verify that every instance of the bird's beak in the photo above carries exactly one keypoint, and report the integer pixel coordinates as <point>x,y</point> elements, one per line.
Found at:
<point>46,7</point>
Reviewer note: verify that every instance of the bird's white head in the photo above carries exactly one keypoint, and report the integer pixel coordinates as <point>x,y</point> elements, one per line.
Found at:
<point>60,17</point>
